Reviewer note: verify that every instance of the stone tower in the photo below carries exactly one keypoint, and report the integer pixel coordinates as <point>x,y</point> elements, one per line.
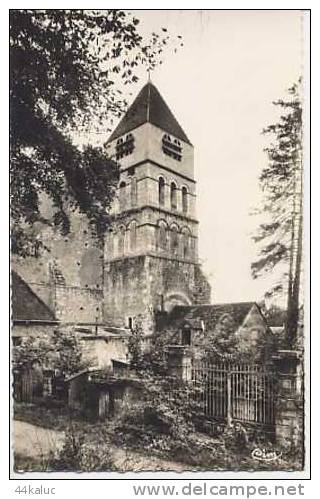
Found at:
<point>151,252</point>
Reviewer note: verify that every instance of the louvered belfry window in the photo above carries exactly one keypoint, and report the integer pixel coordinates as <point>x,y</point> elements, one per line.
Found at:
<point>172,147</point>
<point>124,146</point>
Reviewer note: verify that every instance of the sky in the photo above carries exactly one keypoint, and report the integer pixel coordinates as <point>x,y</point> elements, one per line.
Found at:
<point>220,86</point>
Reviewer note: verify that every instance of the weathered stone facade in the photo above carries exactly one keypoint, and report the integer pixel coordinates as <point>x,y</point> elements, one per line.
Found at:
<point>151,252</point>
<point>149,260</point>
<point>102,349</point>
<point>68,277</point>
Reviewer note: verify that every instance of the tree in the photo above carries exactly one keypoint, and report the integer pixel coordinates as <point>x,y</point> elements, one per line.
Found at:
<point>135,347</point>
<point>62,352</point>
<point>274,315</point>
<point>225,343</point>
<point>156,357</point>
<point>67,353</point>
<point>221,343</point>
<point>67,69</point>
<point>31,350</point>
<point>281,182</point>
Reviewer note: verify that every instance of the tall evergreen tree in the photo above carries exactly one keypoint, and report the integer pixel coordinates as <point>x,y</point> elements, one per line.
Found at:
<point>281,181</point>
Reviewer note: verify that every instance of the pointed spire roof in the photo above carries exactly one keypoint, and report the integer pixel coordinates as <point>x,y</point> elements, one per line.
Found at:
<point>149,106</point>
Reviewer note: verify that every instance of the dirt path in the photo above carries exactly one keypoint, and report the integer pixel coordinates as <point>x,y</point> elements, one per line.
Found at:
<point>132,461</point>
<point>31,441</point>
<point>34,441</point>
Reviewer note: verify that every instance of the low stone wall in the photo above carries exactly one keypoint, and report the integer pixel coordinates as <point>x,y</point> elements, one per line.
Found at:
<point>32,329</point>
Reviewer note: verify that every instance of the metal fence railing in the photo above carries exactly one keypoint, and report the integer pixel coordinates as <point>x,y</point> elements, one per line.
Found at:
<point>235,392</point>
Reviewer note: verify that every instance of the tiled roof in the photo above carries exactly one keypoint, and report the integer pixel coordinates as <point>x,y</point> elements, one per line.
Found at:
<point>149,106</point>
<point>26,305</point>
<point>209,314</point>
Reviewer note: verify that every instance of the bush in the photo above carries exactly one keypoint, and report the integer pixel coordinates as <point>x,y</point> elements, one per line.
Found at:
<point>81,453</point>
<point>164,423</point>
<point>236,438</point>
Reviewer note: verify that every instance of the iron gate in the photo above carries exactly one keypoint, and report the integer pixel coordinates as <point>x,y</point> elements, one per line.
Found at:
<point>236,392</point>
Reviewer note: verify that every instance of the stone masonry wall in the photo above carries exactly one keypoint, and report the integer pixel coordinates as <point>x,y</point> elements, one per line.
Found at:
<point>143,285</point>
<point>31,330</point>
<point>125,291</point>
<point>100,352</point>
<point>171,282</point>
<point>74,292</point>
<point>202,288</point>
<point>73,304</point>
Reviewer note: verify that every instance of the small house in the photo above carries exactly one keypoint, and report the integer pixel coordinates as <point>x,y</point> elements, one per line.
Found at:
<point>190,326</point>
<point>100,394</point>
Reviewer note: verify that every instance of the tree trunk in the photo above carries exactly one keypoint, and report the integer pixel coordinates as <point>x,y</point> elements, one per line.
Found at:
<point>293,312</point>
<point>295,273</point>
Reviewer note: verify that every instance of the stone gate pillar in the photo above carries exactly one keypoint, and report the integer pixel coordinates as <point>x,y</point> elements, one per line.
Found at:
<point>179,362</point>
<point>289,404</point>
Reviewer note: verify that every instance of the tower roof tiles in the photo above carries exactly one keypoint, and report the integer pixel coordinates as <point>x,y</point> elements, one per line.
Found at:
<point>149,106</point>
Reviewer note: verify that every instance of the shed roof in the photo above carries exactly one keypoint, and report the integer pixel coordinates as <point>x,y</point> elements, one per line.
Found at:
<point>26,305</point>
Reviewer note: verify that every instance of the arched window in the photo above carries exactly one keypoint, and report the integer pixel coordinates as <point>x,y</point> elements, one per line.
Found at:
<point>133,236</point>
<point>122,195</point>
<point>161,191</point>
<point>134,191</point>
<point>192,246</point>
<point>185,243</point>
<point>110,243</point>
<point>184,200</point>
<point>174,241</point>
<point>121,235</point>
<point>162,235</point>
<point>173,196</point>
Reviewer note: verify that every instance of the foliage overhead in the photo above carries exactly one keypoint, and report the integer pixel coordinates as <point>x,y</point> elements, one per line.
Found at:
<point>67,71</point>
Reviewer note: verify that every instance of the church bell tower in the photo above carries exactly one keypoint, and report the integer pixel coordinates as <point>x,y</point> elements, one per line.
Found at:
<point>151,251</point>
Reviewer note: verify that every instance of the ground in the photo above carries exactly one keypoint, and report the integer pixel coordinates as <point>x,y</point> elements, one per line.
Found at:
<point>34,444</point>
<point>39,434</point>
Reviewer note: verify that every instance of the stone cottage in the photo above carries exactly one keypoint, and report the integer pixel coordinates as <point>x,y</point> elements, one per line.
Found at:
<point>190,326</point>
